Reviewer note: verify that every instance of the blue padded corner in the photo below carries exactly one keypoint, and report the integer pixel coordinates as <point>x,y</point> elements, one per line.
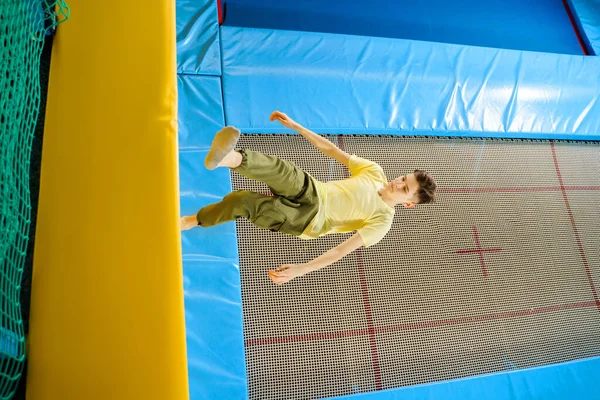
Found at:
<point>198,49</point>
<point>587,14</point>
<point>351,84</point>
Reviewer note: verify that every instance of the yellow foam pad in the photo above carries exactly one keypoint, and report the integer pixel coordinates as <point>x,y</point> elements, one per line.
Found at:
<point>107,304</point>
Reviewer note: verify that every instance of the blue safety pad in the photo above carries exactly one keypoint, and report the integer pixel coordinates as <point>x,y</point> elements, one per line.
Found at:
<point>531,25</point>
<point>212,295</point>
<point>587,14</point>
<point>200,110</point>
<point>572,380</point>
<point>351,84</point>
<point>198,49</point>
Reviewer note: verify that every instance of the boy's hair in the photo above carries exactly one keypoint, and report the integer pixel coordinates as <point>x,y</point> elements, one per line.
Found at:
<point>427,186</point>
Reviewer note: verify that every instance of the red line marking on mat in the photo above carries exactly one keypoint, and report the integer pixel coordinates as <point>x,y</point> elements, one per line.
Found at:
<point>575,28</point>
<point>306,338</point>
<point>365,296</point>
<point>478,249</point>
<point>574,225</point>
<point>421,325</point>
<point>485,317</point>
<point>515,189</point>
<point>369,317</point>
<point>503,190</point>
<point>580,188</point>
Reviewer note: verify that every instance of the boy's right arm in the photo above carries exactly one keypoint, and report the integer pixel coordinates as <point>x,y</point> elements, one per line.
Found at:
<point>323,145</point>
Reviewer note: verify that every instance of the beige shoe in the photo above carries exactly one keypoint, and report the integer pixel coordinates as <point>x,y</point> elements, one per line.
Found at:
<point>223,143</point>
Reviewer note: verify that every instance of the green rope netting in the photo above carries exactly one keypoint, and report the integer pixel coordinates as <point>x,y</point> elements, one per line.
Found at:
<point>23,26</point>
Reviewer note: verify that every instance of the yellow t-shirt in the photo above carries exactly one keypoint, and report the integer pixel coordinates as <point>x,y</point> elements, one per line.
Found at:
<point>353,204</point>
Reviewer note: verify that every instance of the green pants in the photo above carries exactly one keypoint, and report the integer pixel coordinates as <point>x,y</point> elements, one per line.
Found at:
<point>291,208</point>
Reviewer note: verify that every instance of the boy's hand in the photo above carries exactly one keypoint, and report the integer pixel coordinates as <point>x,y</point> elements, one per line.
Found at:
<point>285,120</point>
<point>286,273</point>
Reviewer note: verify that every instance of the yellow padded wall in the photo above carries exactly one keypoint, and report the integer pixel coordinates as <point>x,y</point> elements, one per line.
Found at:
<point>107,297</point>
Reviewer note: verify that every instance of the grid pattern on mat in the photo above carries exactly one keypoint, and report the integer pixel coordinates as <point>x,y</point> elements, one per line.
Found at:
<point>501,272</point>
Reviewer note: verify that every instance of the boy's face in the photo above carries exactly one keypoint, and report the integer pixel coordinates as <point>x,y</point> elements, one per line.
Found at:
<point>403,190</point>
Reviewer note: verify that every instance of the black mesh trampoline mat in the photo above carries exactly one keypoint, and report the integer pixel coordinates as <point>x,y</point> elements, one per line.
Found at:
<point>501,273</point>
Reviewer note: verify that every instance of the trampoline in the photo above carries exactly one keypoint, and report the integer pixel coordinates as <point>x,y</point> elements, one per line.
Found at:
<point>489,292</point>
<point>500,274</point>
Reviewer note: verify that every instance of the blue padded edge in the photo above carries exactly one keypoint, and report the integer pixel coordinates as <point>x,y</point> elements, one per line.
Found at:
<point>351,84</point>
<point>200,105</point>
<point>212,295</point>
<point>587,14</point>
<point>572,380</point>
<point>532,25</point>
<point>198,49</point>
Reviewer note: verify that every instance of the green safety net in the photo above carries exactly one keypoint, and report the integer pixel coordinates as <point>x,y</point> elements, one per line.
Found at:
<point>24,24</point>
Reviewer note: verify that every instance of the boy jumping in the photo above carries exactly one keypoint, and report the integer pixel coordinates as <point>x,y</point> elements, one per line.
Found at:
<point>305,207</point>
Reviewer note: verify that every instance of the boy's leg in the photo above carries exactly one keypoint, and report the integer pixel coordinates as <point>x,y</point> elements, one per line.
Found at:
<point>284,178</point>
<point>255,207</point>
<point>267,212</point>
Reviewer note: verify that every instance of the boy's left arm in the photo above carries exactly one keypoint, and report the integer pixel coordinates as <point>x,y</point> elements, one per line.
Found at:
<point>286,273</point>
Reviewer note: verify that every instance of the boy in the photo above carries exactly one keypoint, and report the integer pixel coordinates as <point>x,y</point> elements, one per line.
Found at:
<point>305,207</point>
